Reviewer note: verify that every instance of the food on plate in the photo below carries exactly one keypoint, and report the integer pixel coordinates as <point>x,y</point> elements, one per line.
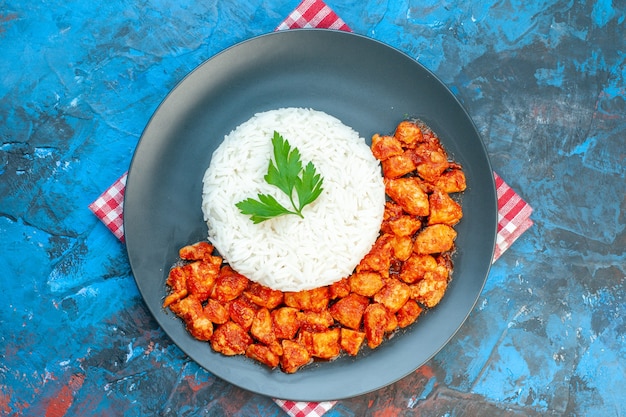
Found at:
<point>405,271</point>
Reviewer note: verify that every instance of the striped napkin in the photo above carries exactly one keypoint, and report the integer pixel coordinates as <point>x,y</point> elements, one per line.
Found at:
<point>513,212</point>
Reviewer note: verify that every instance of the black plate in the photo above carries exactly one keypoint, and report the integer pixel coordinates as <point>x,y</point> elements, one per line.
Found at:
<point>368,86</point>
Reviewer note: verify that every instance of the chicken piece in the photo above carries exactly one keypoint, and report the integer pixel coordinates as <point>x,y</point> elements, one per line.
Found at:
<point>430,290</point>
<point>408,193</point>
<point>196,252</point>
<point>404,225</point>
<point>442,272</point>
<point>399,165</point>
<point>286,322</point>
<point>431,160</point>
<point>202,275</point>
<point>434,239</point>
<point>379,257</point>
<point>392,322</point>
<point>195,278</point>
<point>339,289</point>
<point>314,321</point>
<point>188,308</point>
<point>264,296</point>
<point>451,181</point>
<point>177,278</point>
<point>326,344</point>
<point>409,133</point>
<point>349,310</point>
<point>365,283</point>
<point>375,324</point>
<point>262,328</point>
<point>230,339</point>
<point>323,345</point>
<point>197,321</point>
<point>305,338</point>
<point>294,356</point>
<point>403,228</point>
<point>402,247</point>
<point>200,328</point>
<point>384,147</point>
<point>314,300</point>
<point>416,266</point>
<point>216,311</point>
<point>242,311</point>
<point>408,313</point>
<point>443,209</point>
<point>263,354</point>
<point>229,285</point>
<point>393,295</point>
<point>174,297</point>
<point>177,281</point>
<point>392,211</point>
<point>351,341</point>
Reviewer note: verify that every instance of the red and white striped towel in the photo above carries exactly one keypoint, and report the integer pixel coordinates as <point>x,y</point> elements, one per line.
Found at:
<point>313,14</point>
<point>513,212</point>
<point>109,207</point>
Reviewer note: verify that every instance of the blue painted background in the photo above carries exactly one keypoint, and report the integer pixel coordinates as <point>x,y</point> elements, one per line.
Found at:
<point>545,83</point>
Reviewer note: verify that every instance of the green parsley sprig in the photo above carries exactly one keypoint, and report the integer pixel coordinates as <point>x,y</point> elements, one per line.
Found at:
<point>286,173</point>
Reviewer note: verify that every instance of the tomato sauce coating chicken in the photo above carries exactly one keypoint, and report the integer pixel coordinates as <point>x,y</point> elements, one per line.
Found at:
<point>406,272</point>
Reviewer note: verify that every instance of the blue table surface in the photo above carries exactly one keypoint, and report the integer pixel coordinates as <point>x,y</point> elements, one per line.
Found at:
<point>545,83</point>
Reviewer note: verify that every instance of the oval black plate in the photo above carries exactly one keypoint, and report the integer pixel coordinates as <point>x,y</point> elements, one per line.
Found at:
<point>368,86</point>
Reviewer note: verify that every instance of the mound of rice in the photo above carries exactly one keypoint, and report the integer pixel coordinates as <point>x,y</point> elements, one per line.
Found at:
<point>289,253</point>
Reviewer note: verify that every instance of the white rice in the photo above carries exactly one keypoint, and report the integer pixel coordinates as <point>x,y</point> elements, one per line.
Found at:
<point>289,253</point>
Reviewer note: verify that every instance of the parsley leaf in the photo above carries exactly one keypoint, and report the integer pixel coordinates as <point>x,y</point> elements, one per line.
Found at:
<point>309,187</point>
<point>262,209</point>
<point>287,166</point>
<point>286,173</point>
